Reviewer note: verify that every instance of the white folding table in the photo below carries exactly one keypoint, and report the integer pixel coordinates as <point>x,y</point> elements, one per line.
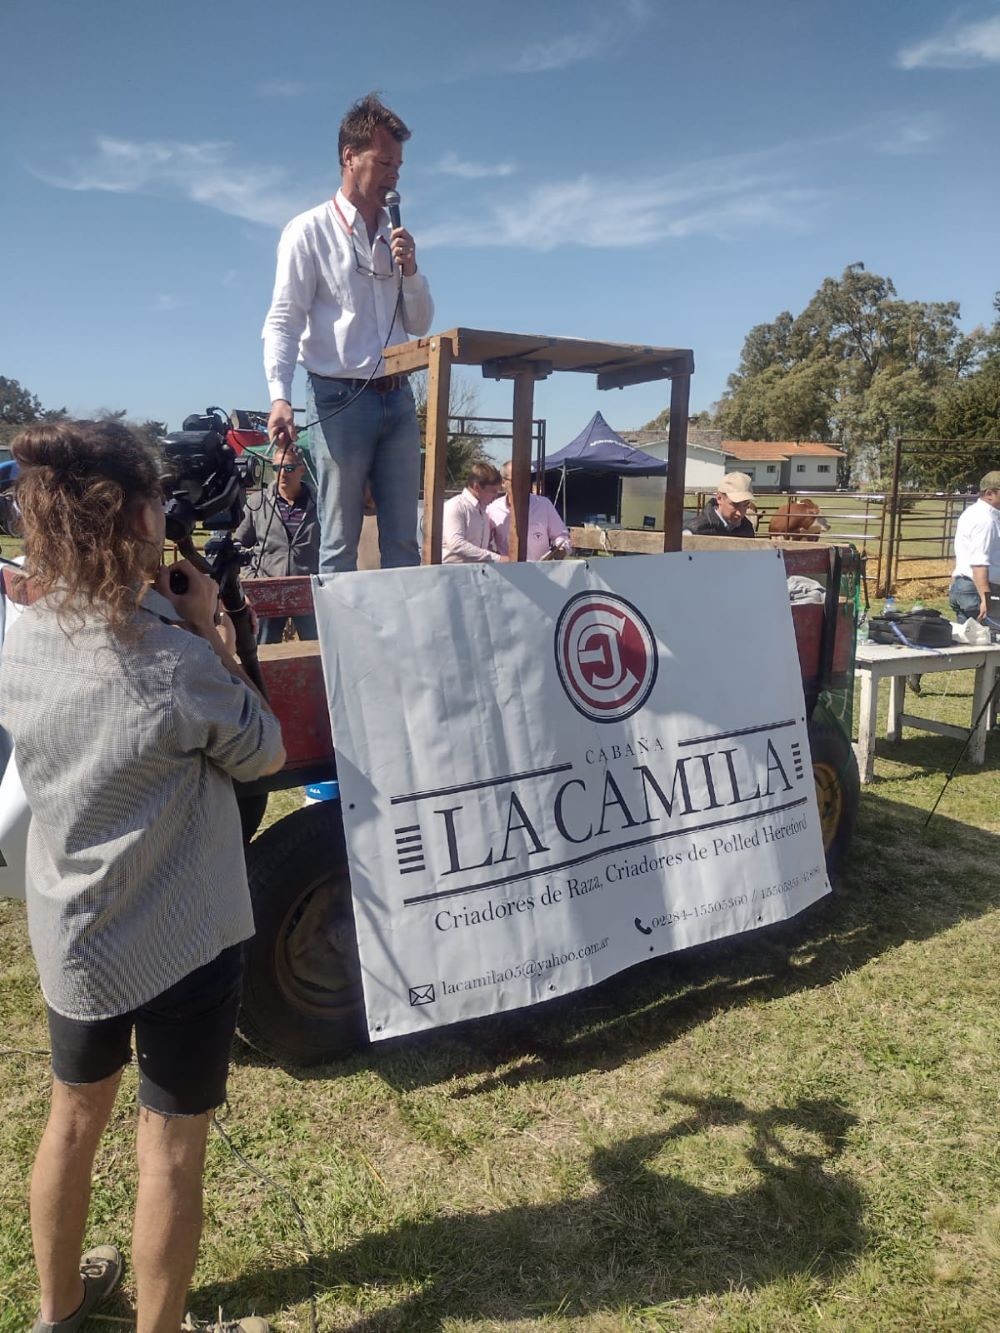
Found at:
<point>876,661</point>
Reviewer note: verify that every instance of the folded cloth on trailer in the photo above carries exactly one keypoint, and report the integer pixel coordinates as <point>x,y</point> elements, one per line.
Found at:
<point>802,589</point>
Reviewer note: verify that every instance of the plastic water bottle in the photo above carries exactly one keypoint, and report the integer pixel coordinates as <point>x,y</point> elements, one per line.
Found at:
<point>890,605</point>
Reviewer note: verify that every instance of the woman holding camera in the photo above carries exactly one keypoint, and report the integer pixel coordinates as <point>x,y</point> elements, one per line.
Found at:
<point>130,717</point>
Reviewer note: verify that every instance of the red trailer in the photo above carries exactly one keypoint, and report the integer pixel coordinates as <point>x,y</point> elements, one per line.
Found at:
<point>303,999</point>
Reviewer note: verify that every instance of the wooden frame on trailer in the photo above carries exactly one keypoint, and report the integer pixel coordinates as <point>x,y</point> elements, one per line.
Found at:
<point>525,358</point>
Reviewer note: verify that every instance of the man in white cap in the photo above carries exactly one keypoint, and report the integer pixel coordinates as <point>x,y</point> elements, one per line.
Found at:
<point>725,515</point>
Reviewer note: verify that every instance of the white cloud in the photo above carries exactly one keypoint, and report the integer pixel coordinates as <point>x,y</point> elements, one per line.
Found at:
<point>452,165</point>
<point>201,172</point>
<point>281,88</point>
<point>717,198</point>
<point>914,135</point>
<point>165,301</point>
<point>959,46</point>
<point>607,29</point>
<point>569,49</point>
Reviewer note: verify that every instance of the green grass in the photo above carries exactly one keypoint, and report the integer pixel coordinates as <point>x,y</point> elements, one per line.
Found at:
<point>794,1130</point>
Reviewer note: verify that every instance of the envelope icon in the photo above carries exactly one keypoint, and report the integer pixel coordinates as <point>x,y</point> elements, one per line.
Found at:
<point>422,994</point>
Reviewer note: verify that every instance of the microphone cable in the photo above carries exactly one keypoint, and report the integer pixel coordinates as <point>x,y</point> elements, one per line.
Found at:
<point>306,453</point>
<point>342,407</point>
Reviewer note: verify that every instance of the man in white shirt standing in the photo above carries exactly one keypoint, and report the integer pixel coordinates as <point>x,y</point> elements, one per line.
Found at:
<point>977,554</point>
<point>546,530</point>
<point>346,287</point>
<point>467,531</point>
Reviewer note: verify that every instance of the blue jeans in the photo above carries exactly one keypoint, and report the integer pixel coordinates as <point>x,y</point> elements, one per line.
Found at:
<point>375,439</point>
<point>964,598</point>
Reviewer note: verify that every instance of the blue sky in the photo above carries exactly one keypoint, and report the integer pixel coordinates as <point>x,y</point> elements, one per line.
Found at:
<point>631,170</point>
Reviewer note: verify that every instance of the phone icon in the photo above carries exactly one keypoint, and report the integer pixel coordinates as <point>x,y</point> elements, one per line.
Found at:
<point>646,930</point>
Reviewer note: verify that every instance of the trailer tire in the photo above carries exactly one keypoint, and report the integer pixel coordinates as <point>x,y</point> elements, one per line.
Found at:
<point>302,997</point>
<point>252,810</point>
<point>838,788</point>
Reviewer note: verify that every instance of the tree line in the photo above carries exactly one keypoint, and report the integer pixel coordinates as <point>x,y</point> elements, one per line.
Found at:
<point>19,407</point>
<point>859,368</point>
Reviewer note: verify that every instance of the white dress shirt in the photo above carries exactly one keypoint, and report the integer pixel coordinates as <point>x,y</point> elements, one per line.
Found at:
<point>977,540</point>
<point>545,528</point>
<point>327,311</point>
<point>466,531</point>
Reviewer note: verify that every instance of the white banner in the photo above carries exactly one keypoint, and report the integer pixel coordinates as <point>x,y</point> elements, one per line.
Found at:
<point>550,772</point>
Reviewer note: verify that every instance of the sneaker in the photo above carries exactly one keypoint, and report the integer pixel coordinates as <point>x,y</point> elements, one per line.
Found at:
<point>249,1324</point>
<point>101,1269</point>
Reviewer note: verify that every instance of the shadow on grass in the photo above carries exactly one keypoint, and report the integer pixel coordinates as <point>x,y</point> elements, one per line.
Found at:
<point>898,885</point>
<point>641,1236</point>
<point>932,757</point>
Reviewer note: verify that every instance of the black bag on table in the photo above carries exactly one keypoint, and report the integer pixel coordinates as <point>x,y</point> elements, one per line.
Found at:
<point>925,628</point>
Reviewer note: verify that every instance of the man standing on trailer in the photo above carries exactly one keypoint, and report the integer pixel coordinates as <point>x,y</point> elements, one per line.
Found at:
<point>346,287</point>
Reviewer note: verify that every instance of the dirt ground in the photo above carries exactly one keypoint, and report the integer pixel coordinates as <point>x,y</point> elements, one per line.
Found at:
<point>923,578</point>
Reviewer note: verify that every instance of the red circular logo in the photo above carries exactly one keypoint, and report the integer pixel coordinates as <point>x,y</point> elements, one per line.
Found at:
<point>605,655</point>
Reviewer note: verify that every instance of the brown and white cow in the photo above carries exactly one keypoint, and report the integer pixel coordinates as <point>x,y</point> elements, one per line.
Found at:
<point>798,520</point>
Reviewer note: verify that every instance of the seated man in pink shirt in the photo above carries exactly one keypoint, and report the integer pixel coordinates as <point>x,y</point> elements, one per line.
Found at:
<point>547,533</point>
<point>467,535</point>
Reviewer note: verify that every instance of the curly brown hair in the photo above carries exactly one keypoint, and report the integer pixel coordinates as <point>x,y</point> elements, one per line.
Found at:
<point>80,487</point>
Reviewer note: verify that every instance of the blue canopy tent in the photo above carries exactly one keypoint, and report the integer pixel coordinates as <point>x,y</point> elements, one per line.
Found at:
<point>598,458</point>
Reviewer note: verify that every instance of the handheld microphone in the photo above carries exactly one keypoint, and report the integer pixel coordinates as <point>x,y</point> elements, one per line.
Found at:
<point>392,204</point>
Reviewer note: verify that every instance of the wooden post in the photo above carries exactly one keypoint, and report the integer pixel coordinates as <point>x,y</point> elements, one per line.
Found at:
<point>881,548</point>
<point>673,499</point>
<point>897,700</point>
<point>867,725</point>
<point>888,572</point>
<point>436,448</point>
<point>985,677</point>
<point>524,399</point>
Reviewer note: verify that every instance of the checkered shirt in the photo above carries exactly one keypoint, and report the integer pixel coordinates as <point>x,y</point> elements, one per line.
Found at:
<point>135,871</point>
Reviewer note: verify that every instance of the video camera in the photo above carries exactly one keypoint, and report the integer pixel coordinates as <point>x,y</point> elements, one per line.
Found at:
<point>205,479</point>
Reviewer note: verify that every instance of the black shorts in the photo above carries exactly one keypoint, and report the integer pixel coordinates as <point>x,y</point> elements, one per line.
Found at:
<point>182,1039</point>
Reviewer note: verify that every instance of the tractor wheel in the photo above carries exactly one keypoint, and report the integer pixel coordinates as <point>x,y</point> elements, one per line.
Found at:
<point>838,788</point>
<point>302,996</point>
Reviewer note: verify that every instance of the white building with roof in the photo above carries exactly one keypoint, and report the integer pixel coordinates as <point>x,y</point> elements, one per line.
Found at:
<point>771,465</point>
<point>798,465</point>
